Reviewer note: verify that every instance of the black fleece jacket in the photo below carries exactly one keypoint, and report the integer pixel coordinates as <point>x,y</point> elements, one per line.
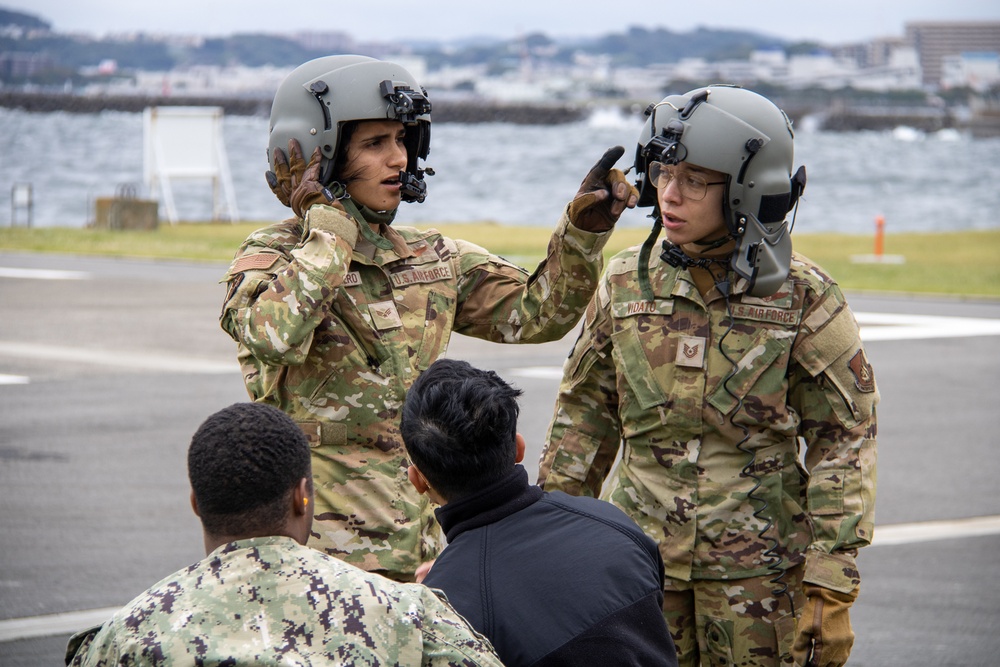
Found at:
<point>553,579</point>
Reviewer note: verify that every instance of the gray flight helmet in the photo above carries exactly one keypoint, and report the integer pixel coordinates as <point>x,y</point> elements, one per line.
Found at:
<point>745,136</point>
<point>318,97</point>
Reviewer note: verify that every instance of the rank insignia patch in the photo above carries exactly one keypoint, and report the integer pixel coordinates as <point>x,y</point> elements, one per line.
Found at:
<point>384,315</point>
<point>690,352</point>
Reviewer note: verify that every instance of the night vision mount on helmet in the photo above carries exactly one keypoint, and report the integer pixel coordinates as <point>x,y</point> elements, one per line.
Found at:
<point>750,140</point>
<point>318,97</point>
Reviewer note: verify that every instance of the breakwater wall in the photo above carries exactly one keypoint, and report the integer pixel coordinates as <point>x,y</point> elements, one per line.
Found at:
<point>47,102</point>
<point>979,125</point>
<point>444,110</point>
<point>837,119</point>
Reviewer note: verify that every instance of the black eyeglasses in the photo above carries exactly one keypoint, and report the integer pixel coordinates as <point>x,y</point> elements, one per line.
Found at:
<point>691,185</point>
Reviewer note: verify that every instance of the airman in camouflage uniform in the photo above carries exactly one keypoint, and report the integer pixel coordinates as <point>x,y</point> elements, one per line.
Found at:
<point>707,386</point>
<point>336,312</point>
<point>271,601</point>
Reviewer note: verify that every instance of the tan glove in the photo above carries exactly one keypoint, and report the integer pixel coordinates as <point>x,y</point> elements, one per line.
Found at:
<point>603,196</point>
<point>280,180</point>
<point>295,184</point>
<point>823,635</point>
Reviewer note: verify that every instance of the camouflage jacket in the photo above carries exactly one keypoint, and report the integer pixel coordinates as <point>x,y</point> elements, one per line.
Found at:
<point>272,601</point>
<point>333,331</point>
<point>687,396</point>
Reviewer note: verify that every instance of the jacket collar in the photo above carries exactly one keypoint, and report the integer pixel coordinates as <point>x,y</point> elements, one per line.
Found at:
<point>495,502</point>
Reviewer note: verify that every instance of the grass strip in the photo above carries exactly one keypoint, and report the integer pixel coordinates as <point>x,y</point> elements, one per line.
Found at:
<point>963,263</point>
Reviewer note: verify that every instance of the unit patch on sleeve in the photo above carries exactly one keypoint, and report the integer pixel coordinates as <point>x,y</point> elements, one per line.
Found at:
<point>864,378</point>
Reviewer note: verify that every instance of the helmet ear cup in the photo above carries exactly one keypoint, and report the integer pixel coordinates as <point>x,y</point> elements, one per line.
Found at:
<point>647,192</point>
<point>798,187</point>
<point>762,257</point>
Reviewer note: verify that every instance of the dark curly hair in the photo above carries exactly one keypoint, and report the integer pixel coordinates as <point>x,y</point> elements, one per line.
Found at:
<point>243,463</point>
<point>459,426</point>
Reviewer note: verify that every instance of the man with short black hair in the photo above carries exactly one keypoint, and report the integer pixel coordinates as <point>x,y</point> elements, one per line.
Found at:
<point>262,597</point>
<point>548,578</point>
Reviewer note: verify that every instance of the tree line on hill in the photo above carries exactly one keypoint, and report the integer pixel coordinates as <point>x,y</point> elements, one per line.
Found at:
<point>66,54</point>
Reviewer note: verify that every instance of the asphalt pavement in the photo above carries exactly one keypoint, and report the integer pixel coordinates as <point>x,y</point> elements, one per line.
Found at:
<point>107,366</point>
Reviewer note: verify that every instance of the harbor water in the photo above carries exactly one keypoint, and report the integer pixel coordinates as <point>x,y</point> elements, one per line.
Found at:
<point>510,174</point>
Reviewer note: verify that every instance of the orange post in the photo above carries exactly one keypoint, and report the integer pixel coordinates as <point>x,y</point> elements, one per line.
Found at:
<point>879,235</point>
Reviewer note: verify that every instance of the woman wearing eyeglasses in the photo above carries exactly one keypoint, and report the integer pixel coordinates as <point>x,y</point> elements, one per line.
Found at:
<point>706,364</point>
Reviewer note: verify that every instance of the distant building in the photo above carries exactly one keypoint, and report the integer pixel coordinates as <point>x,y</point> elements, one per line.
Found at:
<point>977,70</point>
<point>893,66</point>
<point>18,65</point>
<point>936,40</point>
<point>329,42</point>
<point>196,81</point>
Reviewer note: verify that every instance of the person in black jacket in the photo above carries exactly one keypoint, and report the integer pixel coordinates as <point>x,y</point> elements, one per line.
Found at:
<point>550,579</point>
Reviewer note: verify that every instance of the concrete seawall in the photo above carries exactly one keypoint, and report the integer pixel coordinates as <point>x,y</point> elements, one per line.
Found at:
<point>837,119</point>
<point>444,111</point>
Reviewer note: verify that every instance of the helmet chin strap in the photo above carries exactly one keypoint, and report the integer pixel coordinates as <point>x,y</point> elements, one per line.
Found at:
<point>717,243</point>
<point>645,288</point>
<point>675,256</point>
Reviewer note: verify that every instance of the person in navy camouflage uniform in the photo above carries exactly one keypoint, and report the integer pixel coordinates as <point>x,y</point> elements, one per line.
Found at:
<point>260,597</point>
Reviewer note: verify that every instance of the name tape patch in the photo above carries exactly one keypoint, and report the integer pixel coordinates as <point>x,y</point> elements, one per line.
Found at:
<point>413,275</point>
<point>631,308</point>
<point>765,314</point>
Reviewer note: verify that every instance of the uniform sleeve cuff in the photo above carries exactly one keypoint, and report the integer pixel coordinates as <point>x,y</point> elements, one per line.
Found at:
<point>333,220</point>
<point>837,571</point>
<point>587,243</point>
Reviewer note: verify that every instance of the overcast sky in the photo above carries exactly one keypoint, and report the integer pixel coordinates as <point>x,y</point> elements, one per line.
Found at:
<point>828,21</point>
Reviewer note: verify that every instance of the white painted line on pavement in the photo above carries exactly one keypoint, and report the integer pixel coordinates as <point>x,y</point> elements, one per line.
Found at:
<point>927,531</point>
<point>539,372</point>
<point>874,327</point>
<point>903,533</point>
<point>42,274</point>
<point>53,624</point>
<point>13,379</point>
<point>889,326</point>
<point>134,360</point>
